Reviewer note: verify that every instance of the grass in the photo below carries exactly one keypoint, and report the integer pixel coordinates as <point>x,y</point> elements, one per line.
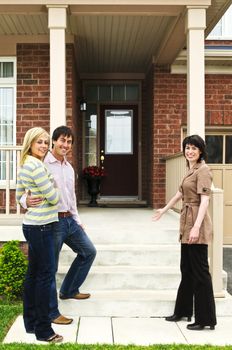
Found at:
<point>8,314</point>
<point>109,347</point>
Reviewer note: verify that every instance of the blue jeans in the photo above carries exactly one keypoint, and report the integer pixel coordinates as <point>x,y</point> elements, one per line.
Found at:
<point>38,280</point>
<point>69,232</point>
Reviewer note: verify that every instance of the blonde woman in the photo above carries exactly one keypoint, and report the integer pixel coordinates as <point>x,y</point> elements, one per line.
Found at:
<point>38,222</point>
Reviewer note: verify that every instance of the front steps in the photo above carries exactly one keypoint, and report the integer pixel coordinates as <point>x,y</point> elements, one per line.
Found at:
<point>136,271</point>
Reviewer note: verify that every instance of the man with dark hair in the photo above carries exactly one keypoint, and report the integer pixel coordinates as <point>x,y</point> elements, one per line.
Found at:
<point>69,229</point>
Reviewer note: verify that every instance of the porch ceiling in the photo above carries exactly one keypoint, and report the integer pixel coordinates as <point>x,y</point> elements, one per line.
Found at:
<point>113,38</point>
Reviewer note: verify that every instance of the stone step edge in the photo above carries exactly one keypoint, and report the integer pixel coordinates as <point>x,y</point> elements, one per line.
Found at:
<point>135,295</point>
<point>129,247</point>
<point>125,269</point>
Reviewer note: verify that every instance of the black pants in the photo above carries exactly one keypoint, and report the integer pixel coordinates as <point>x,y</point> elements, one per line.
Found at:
<point>195,285</point>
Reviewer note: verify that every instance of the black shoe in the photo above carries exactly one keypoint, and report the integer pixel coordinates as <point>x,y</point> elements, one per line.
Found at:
<point>175,318</point>
<point>198,327</point>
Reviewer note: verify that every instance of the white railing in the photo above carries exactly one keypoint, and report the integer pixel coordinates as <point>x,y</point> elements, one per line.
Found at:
<point>9,163</point>
<point>175,171</point>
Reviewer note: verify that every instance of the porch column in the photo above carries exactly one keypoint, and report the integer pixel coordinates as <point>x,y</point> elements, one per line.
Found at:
<point>194,26</point>
<point>57,26</point>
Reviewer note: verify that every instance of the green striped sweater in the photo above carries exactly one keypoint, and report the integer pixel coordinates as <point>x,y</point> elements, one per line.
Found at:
<point>34,176</point>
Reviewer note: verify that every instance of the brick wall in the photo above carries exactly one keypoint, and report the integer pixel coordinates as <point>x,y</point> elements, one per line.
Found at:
<point>218,100</point>
<point>33,87</point>
<point>170,113</point>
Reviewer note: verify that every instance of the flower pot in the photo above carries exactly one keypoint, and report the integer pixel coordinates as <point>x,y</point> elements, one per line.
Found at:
<point>93,190</point>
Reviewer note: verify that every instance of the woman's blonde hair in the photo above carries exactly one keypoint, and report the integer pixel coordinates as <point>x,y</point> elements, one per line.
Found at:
<point>31,135</point>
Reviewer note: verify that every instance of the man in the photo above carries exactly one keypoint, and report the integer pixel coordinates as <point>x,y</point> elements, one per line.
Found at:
<point>69,229</point>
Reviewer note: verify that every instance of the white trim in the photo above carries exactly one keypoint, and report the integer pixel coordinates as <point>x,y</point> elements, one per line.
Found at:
<point>11,83</point>
<point>224,57</point>
<point>182,69</point>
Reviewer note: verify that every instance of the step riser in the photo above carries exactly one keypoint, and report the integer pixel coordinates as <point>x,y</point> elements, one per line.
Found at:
<point>134,281</point>
<point>141,236</point>
<point>129,258</point>
<point>128,308</point>
<point>108,281</point>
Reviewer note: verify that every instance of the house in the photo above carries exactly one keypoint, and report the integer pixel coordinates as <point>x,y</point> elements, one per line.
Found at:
<point>130,78</point>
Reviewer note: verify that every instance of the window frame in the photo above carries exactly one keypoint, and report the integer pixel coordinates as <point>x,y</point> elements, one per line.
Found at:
<point>10,82</point>
<point>225,23</point>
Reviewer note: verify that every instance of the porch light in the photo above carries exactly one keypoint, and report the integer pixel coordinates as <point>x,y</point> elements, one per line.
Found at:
<point>82,105</point>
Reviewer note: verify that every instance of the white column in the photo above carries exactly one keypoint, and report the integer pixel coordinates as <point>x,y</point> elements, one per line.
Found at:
<point>195,25</point>
<point>57,26</point>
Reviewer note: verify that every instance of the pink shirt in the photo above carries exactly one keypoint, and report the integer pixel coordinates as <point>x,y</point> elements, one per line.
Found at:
<point>64,178</point>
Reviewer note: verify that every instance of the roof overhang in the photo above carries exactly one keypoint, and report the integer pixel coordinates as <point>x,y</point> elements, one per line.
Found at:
<point>125,37</point>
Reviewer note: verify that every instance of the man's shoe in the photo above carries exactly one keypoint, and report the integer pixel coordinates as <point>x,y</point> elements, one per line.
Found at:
<point>62,320</point>
<point>78,296</point>
<point>198,327</point>
<point>175,318</point>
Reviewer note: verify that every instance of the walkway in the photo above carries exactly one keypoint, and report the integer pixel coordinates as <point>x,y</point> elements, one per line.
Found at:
<point>123,330</point>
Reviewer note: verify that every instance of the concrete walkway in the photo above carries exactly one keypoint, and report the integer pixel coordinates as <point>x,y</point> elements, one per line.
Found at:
<point>138,331</point>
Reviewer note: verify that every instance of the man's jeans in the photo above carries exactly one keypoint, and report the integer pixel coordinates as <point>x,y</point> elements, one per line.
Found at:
<point>69,232</point>
<point>38,281</point>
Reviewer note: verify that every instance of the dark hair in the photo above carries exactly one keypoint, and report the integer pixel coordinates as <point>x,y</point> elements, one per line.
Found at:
<point>62,130</point>
<point>198,142</point>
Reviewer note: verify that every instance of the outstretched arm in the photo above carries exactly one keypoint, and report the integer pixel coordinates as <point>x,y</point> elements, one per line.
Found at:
<point>170,204</point>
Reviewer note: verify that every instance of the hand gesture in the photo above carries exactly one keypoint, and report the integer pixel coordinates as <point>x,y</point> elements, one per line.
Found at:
<point>157,215</point>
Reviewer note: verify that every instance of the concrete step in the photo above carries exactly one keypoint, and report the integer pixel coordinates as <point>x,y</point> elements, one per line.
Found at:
<point>130,277</point>
<point>131,303</point>
<point>129,254</point>
<point>127,235</point>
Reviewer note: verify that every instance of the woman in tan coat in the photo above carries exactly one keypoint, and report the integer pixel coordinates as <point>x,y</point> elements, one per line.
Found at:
<point>195,234</point>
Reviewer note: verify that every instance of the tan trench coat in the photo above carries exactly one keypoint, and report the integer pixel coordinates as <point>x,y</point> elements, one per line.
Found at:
<point>197,181</point>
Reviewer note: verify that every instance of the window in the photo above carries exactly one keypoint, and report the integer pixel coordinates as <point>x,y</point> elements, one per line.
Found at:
<point>219,148</point>
<point>7,113</point>
<point>223,29</point>
<point>112,93</point>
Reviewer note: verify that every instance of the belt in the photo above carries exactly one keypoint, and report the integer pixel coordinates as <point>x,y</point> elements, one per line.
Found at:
<point>64,214</point>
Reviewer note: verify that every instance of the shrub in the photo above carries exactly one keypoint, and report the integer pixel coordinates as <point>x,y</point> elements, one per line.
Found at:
<point>13,265</point>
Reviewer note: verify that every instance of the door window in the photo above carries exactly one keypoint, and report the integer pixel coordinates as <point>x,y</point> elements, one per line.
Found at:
<point>118,131</point>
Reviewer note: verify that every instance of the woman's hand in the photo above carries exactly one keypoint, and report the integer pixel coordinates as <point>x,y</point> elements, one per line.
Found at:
<point>157,215</point>
<point>194,235</point>
<point>33,201</point>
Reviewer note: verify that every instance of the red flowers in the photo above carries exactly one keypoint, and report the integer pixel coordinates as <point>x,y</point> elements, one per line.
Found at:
<point>93,171</point>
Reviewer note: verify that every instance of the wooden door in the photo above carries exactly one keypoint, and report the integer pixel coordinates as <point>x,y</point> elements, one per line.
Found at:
<point>119,147</point>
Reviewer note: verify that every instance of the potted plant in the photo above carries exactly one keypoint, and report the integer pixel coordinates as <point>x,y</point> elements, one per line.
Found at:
<point>93,175</point>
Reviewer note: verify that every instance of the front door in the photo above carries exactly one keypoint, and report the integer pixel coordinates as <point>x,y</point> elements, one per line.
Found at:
<point>119,147</point>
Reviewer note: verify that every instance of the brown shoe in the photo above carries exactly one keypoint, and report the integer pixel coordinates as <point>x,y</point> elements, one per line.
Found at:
<point>78,296</point>
<point>62,320</point>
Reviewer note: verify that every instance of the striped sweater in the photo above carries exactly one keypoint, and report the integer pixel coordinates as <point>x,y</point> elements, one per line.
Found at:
<point>34,176</point>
